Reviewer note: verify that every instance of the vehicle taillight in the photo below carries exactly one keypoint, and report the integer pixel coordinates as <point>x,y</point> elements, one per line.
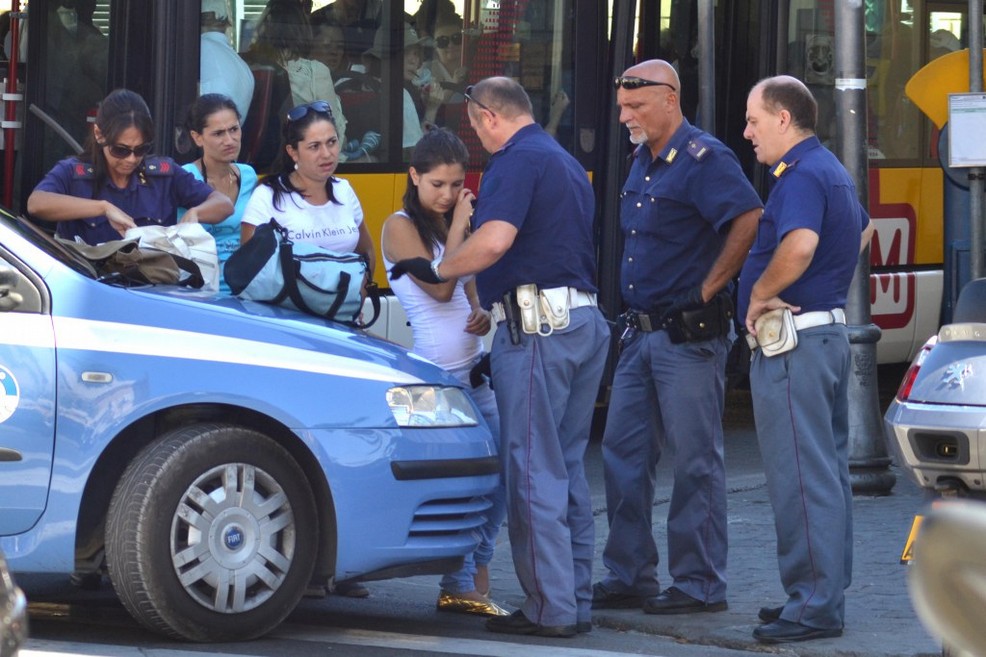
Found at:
<point>904,391</point>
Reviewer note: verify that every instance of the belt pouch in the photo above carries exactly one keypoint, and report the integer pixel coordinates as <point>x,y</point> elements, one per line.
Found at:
<point>702,323</point>
<point>527,301</point>
<point>555,307</point>
<point>775,332</point>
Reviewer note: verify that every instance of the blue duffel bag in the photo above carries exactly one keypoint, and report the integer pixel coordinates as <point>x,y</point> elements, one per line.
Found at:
<point>273,269</point>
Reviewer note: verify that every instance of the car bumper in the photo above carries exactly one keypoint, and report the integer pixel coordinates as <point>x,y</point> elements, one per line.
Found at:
<point>939,444</point>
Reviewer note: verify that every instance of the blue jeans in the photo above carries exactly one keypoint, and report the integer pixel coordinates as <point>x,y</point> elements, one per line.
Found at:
<point>463,580</point>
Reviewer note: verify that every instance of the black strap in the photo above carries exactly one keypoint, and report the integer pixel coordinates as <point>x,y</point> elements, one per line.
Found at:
<point>194,278</point>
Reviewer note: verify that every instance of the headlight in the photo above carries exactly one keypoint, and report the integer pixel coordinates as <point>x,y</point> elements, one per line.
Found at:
<point>431,406</point>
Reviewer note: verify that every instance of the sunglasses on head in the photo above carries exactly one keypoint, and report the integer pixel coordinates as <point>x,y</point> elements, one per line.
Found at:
<point>636,83</point>
<point>301,111</point>
<point>121,152</point>
<point>443,41</point>
<point>468,96</point>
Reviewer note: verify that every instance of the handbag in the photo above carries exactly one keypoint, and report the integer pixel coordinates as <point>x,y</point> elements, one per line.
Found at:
<point>187,240</point>
<point>273,269</point>
<point>125,263</point>
<point>776,333</point>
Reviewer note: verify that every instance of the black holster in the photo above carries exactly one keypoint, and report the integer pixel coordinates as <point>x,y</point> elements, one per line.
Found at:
<point>711,320</point>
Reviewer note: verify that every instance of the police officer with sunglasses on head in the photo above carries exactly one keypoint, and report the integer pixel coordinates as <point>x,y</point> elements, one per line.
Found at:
<point>115,185</point>
<point>689,216</point>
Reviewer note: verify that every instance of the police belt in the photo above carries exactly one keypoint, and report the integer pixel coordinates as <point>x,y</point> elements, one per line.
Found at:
<point>807,321</point>
<point>646,322</point>
<point>576,299</point>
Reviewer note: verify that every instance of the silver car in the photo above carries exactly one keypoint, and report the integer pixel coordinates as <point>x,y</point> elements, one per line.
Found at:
<point>936,425</point>
<point>13,613</point>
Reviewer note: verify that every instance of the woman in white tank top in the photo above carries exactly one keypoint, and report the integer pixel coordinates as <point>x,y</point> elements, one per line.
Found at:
<point>447,322</point>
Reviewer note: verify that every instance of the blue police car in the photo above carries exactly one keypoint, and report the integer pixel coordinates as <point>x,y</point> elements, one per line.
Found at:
<point>214,456</point>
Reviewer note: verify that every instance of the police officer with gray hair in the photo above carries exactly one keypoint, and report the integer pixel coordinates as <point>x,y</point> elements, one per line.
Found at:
<point>689,216</point>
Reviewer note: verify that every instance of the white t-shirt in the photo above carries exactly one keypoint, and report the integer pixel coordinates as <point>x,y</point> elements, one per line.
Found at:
<point>331,226</point>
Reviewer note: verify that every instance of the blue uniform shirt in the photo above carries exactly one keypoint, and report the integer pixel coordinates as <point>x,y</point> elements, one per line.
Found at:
<point>814,191</point>
<point>155,191</point>
<point>673,212</point>
<point>544,192</point>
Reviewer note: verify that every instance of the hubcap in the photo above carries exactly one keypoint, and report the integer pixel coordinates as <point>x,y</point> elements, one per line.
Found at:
<point>233,538</point>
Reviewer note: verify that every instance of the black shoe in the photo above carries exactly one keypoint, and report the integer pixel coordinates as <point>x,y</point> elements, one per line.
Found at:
<point>770,614</point>
<point>782,631</point>
<point>351,590</point>
<point>602,598</point>
<point>583,627</point>
<point>517,623</point>
<point>673,601</point>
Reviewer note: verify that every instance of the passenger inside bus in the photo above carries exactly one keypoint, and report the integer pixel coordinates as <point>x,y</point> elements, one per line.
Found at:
<point>359,20</point>
<point>421,98</point>
<point>76,79</point>
<point>283,40</point>
<point>221,69</point>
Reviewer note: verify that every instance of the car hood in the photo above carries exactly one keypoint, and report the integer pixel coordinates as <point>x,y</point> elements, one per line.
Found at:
<point>954,372</point>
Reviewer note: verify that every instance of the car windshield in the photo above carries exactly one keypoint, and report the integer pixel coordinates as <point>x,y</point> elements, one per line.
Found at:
<point>44,241</point>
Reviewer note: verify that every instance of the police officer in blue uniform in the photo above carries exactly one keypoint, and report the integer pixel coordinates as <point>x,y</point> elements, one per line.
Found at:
<point>688,216</point>
<point>99,196</point>
<point>532,246</point>
<point>811,234</point>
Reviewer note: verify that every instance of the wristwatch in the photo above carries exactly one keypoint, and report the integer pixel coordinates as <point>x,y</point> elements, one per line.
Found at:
<point>434,269</point>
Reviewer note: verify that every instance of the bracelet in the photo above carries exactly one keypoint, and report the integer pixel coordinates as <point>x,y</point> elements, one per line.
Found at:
<point>434,269</point>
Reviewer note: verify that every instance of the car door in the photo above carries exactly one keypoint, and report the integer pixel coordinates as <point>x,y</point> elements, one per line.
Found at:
<point>27,396</point>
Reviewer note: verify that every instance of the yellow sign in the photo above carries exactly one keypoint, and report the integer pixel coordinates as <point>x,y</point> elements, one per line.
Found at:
<point>908,553</point>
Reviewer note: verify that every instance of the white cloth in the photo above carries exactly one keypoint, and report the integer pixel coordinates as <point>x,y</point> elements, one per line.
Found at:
<point>222,71</point>
<point>331,226</point>
<point>311,80</point>
<point>438,327</point>
<point>412,123</point>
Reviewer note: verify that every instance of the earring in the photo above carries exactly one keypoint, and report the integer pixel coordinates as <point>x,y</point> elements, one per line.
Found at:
<point>295,166</point>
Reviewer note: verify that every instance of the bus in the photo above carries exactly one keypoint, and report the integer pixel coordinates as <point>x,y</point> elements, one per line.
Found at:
<point>565,53</point>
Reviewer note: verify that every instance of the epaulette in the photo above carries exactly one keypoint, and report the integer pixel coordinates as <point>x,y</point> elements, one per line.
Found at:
<point>157,167</point>
<point>83,171</point>
<point>698,149</point>
<point>781,167</point>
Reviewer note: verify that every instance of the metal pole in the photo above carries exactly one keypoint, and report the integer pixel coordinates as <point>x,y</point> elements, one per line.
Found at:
<point>11,98</point>
<point>976,174</point>
<point>868,461</point>
<point>706,66</point>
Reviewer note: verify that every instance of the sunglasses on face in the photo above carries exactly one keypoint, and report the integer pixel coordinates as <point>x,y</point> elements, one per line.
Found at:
<point>468,96</point>
<point>443,41</point>
<point>636,83</point>
<point>301,111</point>
<point>121,152</point>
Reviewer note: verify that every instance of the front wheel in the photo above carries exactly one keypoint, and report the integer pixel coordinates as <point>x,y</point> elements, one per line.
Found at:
<point>211,534</point>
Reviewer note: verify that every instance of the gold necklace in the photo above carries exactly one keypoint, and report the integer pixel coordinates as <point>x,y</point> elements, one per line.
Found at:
<point>228,184</point>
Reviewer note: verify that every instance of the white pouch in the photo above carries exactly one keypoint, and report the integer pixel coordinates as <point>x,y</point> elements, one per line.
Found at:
<point>775,332</point>
<point>528,302</point>
<point>188,240</point>
<point>555,307</point>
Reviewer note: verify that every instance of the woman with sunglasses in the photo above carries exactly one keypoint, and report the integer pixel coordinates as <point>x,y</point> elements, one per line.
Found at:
<point>213,124</point>
<point>115,184</point>
<point>302,193</point>
<point>447,322</point>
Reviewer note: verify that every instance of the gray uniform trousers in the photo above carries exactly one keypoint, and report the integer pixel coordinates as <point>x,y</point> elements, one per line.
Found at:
<point>546,389</point>
<point>801,407</point>
<point>667,395</point>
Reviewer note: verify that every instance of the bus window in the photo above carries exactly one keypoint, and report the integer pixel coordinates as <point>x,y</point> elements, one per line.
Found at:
<point>75,71</point>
